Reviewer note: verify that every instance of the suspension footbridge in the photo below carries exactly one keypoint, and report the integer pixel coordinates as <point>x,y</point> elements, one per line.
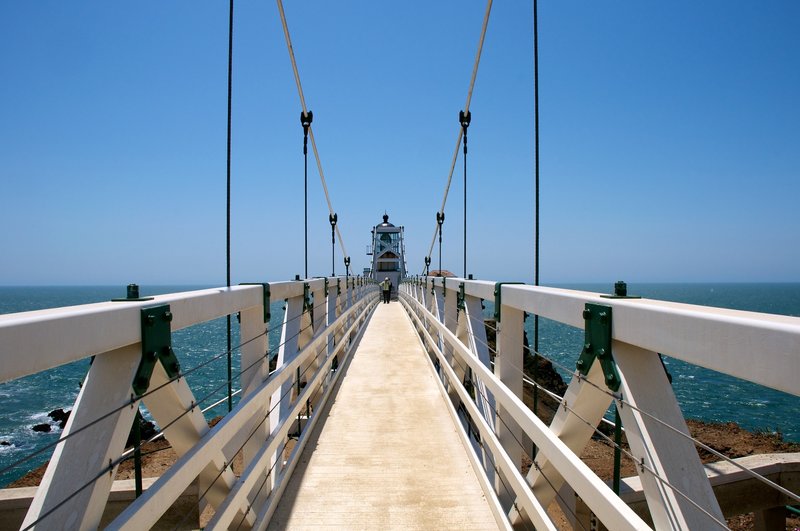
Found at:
<point>396,416</point>
<point>347,413</point>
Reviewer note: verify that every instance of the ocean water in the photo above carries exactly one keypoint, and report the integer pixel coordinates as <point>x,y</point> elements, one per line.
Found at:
<point>26,401</point>
<point>703,394</point>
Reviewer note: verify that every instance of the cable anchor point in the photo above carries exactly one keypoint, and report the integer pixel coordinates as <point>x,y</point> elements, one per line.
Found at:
<point>305,120</point>
<point>464,119</point>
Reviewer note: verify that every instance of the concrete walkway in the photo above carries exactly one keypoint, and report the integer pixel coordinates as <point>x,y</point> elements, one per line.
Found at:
<point>387,455</point>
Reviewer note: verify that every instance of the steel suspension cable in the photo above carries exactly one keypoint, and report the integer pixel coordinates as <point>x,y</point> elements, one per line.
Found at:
<point>305,112</point>
<point>466,110</point>
<point>228,211</point>
<point>536,171</point>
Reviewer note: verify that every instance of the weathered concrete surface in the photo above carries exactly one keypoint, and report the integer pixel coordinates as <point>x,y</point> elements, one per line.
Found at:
<point>387,455</point>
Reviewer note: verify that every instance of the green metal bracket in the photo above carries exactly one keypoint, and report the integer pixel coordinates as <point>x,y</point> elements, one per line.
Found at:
<point>265,287</point>
<point>326,287</point>
<point>460,296</point>
<point>338,286</point>
<point>498,298</point>
<point>598,344</point>
<point>156,346</point>
<point>444,287</point>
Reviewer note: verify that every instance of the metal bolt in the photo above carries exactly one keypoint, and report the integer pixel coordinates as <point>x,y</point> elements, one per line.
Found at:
<point>587,314</point>
<point>603,317</point>
<point>153,354</point>
<point>620,289</point>
<point>133,291</point>
<point>150,319</point>
<point>601,352</point>
<point>587,347</point>
<point>168,317</point>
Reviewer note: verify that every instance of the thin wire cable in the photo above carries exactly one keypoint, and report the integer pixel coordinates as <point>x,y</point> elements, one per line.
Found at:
<point>260,488</point>
<point>533,461</point>
<point>305,110</point>
<point>564,503</point>
<point>149,392</point>
<point>130,403</point>
<point>123,457</point>
<point>116,462</point>
<point>696,442</point>
<point>266,477</point>
<point>641,464</point>
<point>223,469</point>
<point>516,439</point>
<point>128,453</point>
<point>613,444</point>
<point>466,109</point>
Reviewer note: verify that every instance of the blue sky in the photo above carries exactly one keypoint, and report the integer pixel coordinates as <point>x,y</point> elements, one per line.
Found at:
<point>670,137</point>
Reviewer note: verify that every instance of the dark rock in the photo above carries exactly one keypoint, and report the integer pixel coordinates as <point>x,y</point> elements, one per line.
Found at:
<point>59,416</point>
<point>5,443</point>
<point>45,427</point>
<point>148,430</point>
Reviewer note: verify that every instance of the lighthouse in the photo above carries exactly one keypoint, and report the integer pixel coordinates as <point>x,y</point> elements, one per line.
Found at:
<point>388,252</point>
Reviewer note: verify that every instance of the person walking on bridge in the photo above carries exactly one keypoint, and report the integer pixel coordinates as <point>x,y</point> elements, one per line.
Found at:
<point>386,286</point>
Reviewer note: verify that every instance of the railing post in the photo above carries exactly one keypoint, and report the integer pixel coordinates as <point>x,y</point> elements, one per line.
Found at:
<point>330,314</point>
<point>281,400</point>
<point>254,323</point>
<point>508,367</point>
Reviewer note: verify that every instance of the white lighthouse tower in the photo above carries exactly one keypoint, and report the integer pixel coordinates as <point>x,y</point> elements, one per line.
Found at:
<point>388,253</point>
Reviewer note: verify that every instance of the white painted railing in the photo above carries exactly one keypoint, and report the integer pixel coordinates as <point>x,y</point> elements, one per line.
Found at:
<point>760,348</point>
<point>321,323</point>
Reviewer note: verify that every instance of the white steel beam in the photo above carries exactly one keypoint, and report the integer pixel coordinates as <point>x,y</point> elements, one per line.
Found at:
<point>146,510</point>
<point>597,495</point>
<point>574,425</point>
<point>508,368</point>
<point>728,341</point>
<point>63,335</point>
<point>75,486</point>
<point>662,451</point>
<point>174,409</point>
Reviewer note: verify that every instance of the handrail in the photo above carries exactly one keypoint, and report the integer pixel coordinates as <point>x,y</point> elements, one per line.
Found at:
<point>78,477</point>
<point>612,511</point>
<point>760,348</point>
<point>144,513</point>
<point>732,342</point>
